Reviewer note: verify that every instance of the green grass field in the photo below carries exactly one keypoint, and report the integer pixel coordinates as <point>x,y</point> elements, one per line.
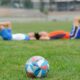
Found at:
<point>63,55</point>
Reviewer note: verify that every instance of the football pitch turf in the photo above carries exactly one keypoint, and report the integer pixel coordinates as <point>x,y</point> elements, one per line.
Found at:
<point>63,55</point>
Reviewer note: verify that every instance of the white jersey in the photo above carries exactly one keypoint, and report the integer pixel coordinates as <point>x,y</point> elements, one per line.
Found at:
<point>19,36</point>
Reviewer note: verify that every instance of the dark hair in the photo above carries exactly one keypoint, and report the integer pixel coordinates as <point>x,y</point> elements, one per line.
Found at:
<point>37,36</point>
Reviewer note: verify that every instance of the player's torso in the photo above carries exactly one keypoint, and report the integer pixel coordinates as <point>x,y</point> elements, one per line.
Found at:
<point>59,34</point>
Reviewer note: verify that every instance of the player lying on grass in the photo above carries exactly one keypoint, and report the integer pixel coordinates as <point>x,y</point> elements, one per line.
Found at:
<point>59,34</point>
<point>6,32</point>
<point>74,34</point>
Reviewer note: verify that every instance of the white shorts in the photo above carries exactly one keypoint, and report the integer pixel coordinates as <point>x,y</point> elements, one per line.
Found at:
<point>20,36</point>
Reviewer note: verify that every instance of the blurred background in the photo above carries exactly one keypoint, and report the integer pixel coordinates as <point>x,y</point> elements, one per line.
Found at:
<point>40,10</point>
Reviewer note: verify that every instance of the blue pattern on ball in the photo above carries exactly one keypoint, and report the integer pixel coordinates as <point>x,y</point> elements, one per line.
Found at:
<point>37,68</point>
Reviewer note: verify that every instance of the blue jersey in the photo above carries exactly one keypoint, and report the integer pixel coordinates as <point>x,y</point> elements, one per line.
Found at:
<point>75,32</point>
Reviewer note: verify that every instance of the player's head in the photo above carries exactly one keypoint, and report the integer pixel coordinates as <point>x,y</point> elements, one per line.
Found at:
<point>38,35</point>
<point>79,20</point>
<point>76,21</point>
<point>44,35</point>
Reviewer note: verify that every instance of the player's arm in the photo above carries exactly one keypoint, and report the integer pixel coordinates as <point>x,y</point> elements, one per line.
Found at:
<point>75,28</point>
<point>31,36</point>
<point>74,33</point>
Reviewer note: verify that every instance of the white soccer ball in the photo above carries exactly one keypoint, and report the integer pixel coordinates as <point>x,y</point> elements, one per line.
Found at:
<point>37,66</point>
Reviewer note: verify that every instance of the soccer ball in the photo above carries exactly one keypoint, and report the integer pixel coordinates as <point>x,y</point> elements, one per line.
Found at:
<point>37,67</point>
